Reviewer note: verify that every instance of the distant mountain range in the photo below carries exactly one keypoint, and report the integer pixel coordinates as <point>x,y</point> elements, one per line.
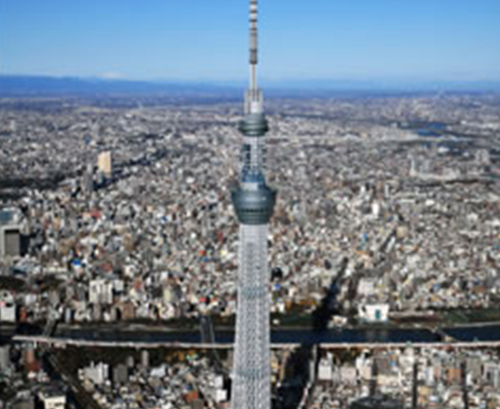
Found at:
<point>17,85</point>
<point>22,86</point>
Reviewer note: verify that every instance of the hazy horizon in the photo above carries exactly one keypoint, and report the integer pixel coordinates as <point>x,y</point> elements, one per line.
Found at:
<point>21,85</point>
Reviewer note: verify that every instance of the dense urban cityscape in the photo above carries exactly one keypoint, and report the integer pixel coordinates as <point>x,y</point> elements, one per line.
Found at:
<point>116,221</point>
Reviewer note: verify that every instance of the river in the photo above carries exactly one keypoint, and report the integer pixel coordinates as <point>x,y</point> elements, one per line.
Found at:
<point>290,336</point>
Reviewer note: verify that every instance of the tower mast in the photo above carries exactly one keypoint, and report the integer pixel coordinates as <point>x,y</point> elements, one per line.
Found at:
<point>254,51</point>
<point>254,96</point>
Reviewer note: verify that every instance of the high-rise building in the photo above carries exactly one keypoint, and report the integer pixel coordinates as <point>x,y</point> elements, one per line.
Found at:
<point>105,164</point>
<point>4,358</point>
<point>52,398</point>
<point>100,292</point>
<point>10,234</point>
<point>87,181</point>
<point>10,241</point>
<point>7,307</point>
<point>254,204</point>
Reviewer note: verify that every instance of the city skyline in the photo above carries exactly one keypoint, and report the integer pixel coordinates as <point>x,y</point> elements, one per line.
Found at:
<point>195,41</point>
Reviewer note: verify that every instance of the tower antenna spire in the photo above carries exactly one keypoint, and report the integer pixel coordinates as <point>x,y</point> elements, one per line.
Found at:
<point>253,102</point>
<point>254,51</point>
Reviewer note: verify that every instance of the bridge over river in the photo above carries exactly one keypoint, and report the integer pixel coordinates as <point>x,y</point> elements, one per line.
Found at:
<point>64,342</point>
<point>463,337</point>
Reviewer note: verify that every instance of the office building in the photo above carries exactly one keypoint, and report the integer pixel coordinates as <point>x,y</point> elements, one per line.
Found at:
<point>7,307</point>
<point>105,164</point>
<point>10,234</point>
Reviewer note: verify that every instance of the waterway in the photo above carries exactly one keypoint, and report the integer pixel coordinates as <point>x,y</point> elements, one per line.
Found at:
<point>426,129</point>
<point>487,332</point>
<point>299,336</point>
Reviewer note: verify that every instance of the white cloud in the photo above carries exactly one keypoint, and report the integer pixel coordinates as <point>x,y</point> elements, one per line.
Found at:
<point>111,75</point>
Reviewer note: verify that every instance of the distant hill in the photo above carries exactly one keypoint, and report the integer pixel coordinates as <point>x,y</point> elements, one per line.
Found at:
<point>16,85</point>
<point>31,86</point>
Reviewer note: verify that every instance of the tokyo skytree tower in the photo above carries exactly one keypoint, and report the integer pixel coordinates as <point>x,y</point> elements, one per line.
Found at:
<point>254,203</point>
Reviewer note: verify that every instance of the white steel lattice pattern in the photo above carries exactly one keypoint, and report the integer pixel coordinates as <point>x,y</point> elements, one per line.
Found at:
<point>251,369</point>
<point>256,158</point>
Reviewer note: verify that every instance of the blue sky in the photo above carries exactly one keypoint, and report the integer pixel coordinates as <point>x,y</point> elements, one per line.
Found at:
<point>407,40</point>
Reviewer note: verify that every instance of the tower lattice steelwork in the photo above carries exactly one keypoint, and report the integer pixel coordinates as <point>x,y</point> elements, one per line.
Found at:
<point>254,203</point>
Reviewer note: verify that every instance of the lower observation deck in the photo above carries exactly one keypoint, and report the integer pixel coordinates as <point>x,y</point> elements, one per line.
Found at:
<point>254,206</point>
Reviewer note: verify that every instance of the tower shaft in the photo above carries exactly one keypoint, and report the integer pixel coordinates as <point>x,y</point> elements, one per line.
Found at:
<point>251,370</point>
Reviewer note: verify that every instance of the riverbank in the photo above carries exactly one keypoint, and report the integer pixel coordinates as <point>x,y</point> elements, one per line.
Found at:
<point>305,321</point>
<point>458,324</point>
